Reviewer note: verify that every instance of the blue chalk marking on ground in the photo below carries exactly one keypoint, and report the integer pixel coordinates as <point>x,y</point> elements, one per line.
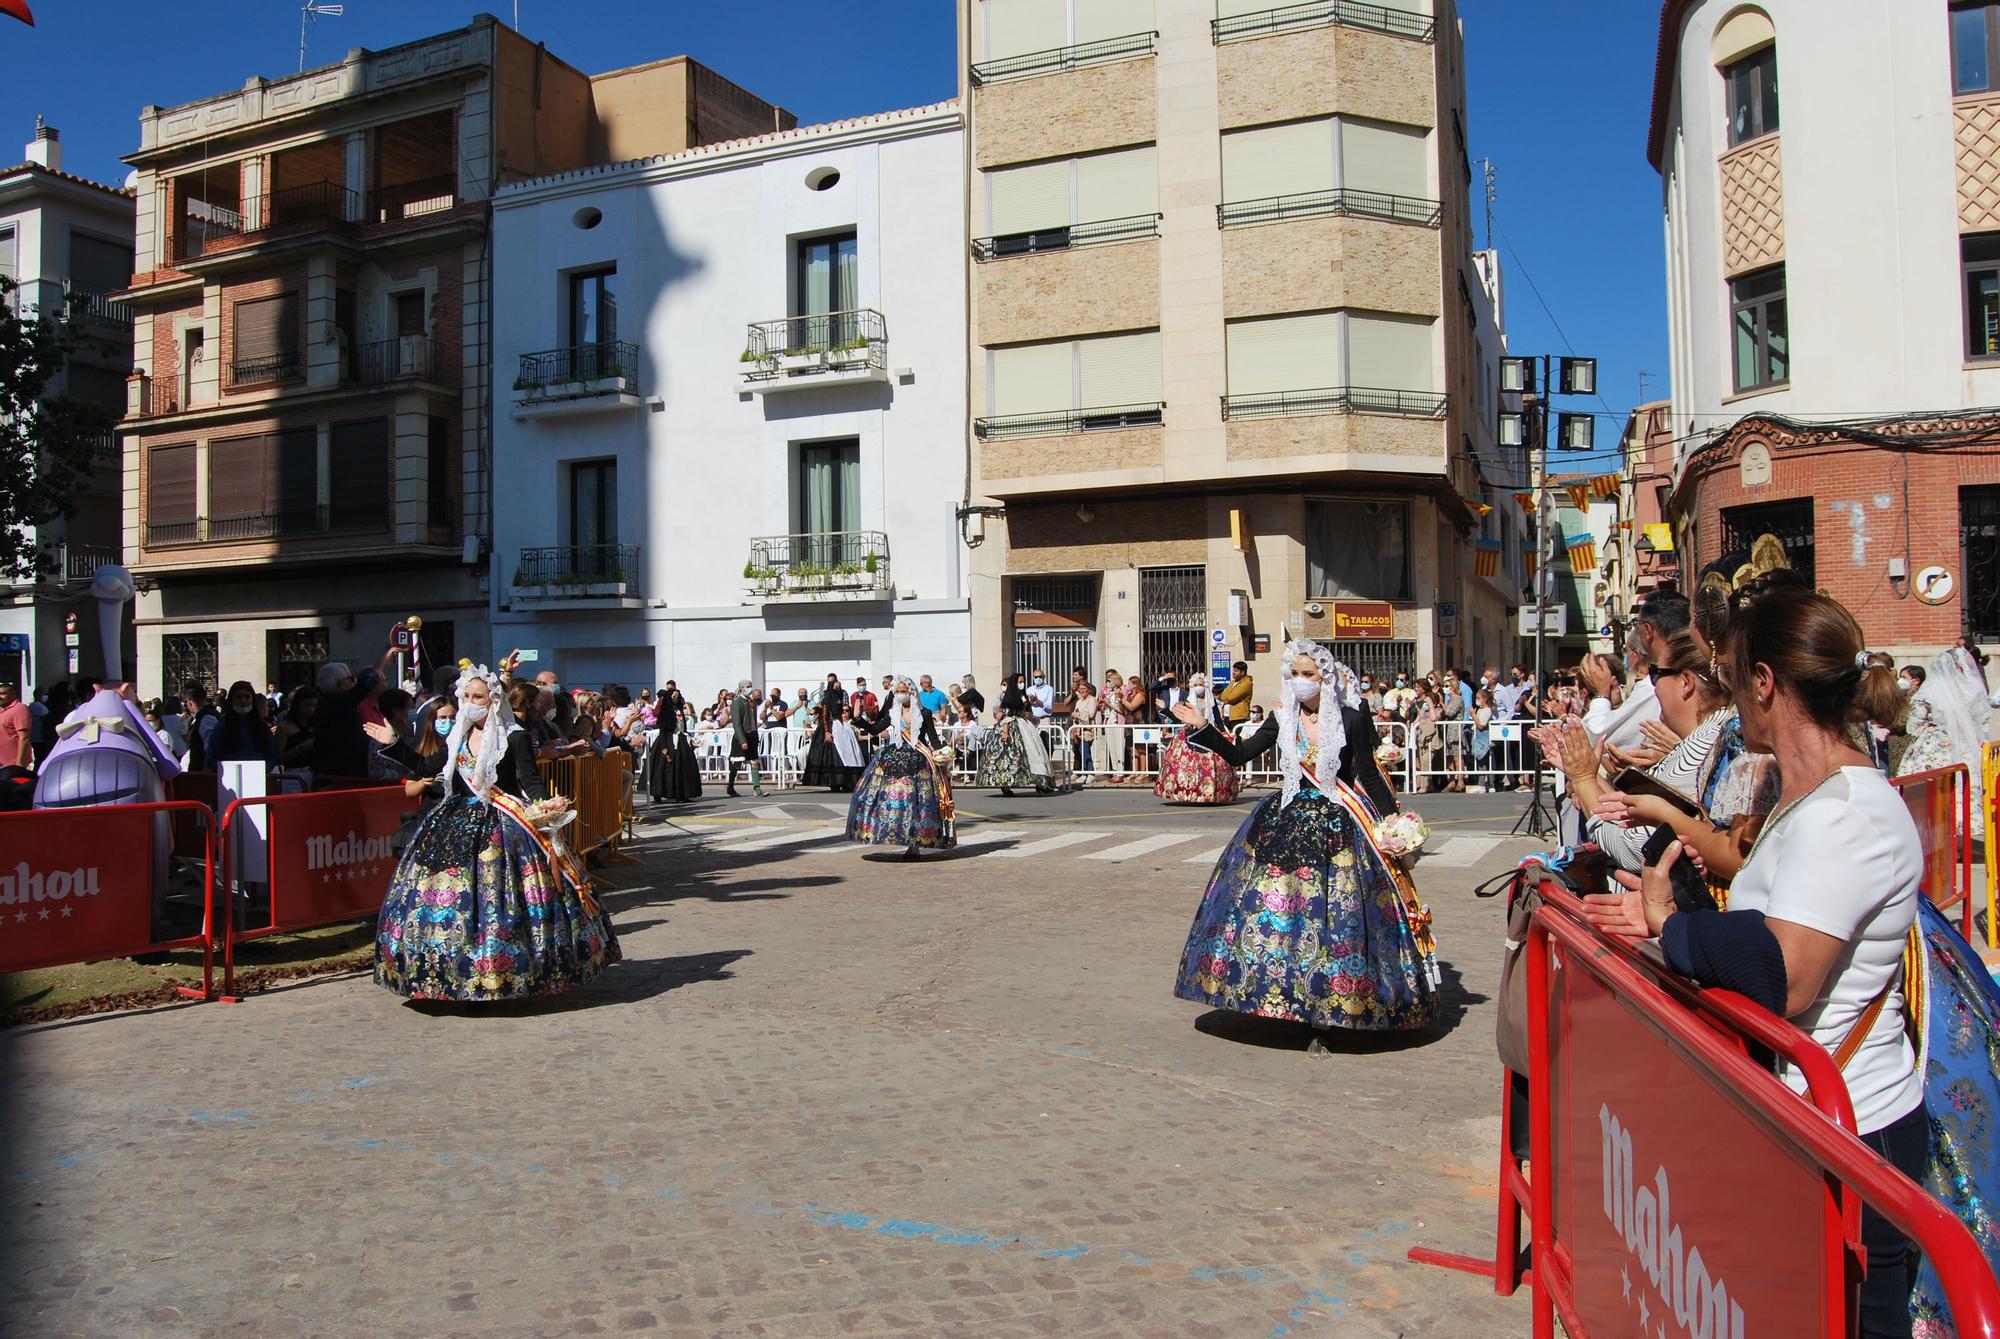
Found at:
<point>1064,1253</point>
<point>368,1143</point>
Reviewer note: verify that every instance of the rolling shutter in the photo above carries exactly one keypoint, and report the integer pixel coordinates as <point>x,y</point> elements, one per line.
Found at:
<point>1390,353</point>
<point>359,468</point>
<point>1117,185</point>
<point>1287,353</point>
<point>1389,159</point>
<point>1027,199</point>
<point>1033,379</point>
<point>170,485</point>
<point>1018,27</point>
<point>267,337</point>
<point>1099,19</point>
<point>237,470</point>
<point>1120,370</point>
<point>1294,159</point>
<point>298,479</point>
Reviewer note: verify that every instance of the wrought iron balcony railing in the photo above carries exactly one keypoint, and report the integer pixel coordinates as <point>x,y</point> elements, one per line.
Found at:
<point>580,370</point>
<point>1394,20</point>
<point>829,563</point>
<point>1062,422</point>
<point>206,227</point>
<point>240,526</point>
<point>97,308</point>
<point>1032,63</point>
<point>407,357</point>
<point>414,199</point>
<point>1334,400</point>
<point>577,571</point>
<point>263,371</point>
<point>81,561</point>
<point>792,346</point>
<point>1319,204</point>
<point>1067,237</point>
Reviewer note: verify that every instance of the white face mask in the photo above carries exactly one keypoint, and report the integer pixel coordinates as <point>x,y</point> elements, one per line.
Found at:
<point>243,708</point>
<point>473,713</point>
<point>1906,685</point>
<point>902,699</point>
<point>1305,692</point>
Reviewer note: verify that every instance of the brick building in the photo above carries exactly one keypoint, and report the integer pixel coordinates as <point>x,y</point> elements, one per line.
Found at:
<point>1835,347</point>
<point>308,422</point>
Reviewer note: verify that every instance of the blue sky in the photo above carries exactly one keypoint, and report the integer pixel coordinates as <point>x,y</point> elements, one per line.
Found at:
<point>1559,92</point>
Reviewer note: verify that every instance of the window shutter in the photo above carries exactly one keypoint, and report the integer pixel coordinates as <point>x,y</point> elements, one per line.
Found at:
<point>267,335</point>
<point>1389,159</point>
<point>360,475</point>
<point>1120,370</point>
<point>1033,379</point>
<point>1288,353</point>
<point>437,481</point>
<point>1097,20</point>
<point>97,263</point>
<point>1017,27</point>
<point>236,477</point>
<point>1028,199</point>
<point>298,479</point>
<point>170,484</point>
<point>1389,353</point>
<point>1117,185</point>
<point>1295,159</point>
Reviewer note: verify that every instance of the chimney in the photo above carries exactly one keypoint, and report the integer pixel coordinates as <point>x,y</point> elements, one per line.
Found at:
<point>46,148</point>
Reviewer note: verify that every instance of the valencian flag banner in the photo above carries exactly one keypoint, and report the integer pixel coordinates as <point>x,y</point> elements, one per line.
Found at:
<point>1528,556</point>
<point>1478,508</point>
<point>1579,495</point>
<point>1583,554</point>
<point>1486,558</point>
<point>1527,501</point>
<point>17,9</point>
<point>1604,485</point>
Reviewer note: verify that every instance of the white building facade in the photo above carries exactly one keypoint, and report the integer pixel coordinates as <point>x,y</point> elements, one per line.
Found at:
<point>734,443</point>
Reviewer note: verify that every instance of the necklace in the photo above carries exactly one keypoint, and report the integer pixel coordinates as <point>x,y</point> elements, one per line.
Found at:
<point>1772,824</point>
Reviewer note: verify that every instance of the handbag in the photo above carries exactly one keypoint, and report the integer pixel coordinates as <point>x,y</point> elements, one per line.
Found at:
<point>1578,870</point>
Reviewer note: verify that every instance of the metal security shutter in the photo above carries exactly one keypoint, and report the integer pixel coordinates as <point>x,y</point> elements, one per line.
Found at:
<point>1099,19</point>
<point>1033,378</point>
<point>359,466</point>
<point>1117,185</point>
<point>170,484</point>
<point>1288,353</point>
<point>1027,199</point>
<point>1120,370</point>
<point>1294,159</point>
<point>1017,27</point>
<point>1385,158</point>
<point>1389,353</point>
<point>237,482</point>
<point>298,479</point>
<point>267,336</point>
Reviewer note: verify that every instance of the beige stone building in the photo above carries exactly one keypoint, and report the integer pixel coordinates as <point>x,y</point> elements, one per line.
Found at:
<point>1225,369</point>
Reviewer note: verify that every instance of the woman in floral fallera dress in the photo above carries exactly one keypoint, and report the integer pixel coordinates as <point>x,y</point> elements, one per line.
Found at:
<point>484,904</point>
<point>1191,774</point>
<point>904,797</point>
<point>1304,918</point>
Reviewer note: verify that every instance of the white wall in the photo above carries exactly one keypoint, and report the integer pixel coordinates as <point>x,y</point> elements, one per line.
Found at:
<point>1870,200</point>
<point>703,244</point>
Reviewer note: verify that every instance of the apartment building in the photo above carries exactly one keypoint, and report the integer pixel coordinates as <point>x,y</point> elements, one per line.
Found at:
<point>1833,285</point>
<point>308,422</point>
<point>731,447</point>
<point>1225,324</point>
<point>66,240</point>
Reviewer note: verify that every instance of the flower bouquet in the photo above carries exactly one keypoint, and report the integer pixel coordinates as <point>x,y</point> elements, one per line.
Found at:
<point>551,814</point>
<point>1388,757</point>
<point>1401,837</point>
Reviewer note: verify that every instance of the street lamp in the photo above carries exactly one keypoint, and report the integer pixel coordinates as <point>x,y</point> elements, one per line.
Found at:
<point>1579,376</point>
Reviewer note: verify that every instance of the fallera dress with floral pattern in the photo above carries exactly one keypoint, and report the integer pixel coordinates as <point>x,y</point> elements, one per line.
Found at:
<point>478,909</point>
<point>1303,919</point>
<point>903,798</point>
<point>1190,774</point>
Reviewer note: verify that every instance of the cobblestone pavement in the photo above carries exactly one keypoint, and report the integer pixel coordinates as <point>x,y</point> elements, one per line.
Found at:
<point>825,1094</point>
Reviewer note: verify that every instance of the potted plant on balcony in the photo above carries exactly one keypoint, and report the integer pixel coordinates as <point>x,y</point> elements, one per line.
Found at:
<point>527,587</point>
<point>609,583</point>
<point>802,358</point>
<point>849,353</point>
<point>758,363</point>
<point>762,580</point>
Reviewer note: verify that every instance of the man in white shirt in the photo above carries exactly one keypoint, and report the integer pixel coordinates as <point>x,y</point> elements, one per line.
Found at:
<point>1041,697</point>
<point>1507,697</point>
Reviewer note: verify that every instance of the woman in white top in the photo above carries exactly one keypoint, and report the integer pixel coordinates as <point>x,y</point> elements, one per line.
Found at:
<point>1819,913</point>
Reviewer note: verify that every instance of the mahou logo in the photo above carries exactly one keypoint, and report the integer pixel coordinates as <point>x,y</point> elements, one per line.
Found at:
<point>327,852</point>
<point>24,884</point>
<point>1643,1215</point>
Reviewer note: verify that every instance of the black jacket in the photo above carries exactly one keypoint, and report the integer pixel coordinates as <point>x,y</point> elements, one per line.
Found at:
<point>885,723</point>
<point>517,773</point>
<point>1357,757</point>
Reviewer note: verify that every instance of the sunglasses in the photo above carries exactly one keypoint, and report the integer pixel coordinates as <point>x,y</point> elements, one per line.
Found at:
<point>1658,672</point>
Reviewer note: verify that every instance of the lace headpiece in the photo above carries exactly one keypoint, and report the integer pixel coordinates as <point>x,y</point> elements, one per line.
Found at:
<point>1339,687</point>
<point>499,724</point>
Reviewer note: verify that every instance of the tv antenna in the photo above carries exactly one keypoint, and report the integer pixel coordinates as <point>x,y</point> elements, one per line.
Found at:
<point>1492,184</point>
<point>309,14</point>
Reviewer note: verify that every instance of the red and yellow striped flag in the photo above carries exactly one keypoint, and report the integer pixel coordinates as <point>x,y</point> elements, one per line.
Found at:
<point>1528,556</point>
<point>1486,558</point>
<point>1604,485</point>
<point>1583,554</point>
<point>1527,501</point>
<point>1579,495</point>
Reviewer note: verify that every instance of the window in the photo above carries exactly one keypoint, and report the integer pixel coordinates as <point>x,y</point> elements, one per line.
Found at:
<point>409,313</point>
<point>98,265</point>
<point>1329,362</point>
<point>1789,522</point>
<point>593,515</point>
<point>1104,197</point>
<point>1334,165</point>
<point>1975,45</point>
<point>1108,381</point>
<point>358,472</point>
<point>267,340</point>
<point>1758,333</point>
<point>298,480</point>
<point>593,307</point>
<point>1979,532</point>
<point>1980,255</point>
<point>189,659</point>
<point>1751,86</point>
<point>1357,549</point>
<point>826,279</point>
<point>1031,37</point>
<point>170,494</point>
<point>827,505</point>
<point>238,484</point>
<point>292,656</point>
<point>437,481</point>
<point>8,269</point>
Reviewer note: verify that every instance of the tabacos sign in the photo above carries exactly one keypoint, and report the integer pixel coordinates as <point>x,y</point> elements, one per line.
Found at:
<point>330,852</point>
<point>24,884</point>
<point>1642,1213</point>
<point>1363,620</point>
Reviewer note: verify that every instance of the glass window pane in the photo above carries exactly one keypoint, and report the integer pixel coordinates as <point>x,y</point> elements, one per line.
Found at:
<point>1736,81</point>
<point>1778,355</point>
<point>1969,73</point>
<point>1982,314</point>
<point>1357,549</point>
<point>1745,338</point>
<point>1767,91</point>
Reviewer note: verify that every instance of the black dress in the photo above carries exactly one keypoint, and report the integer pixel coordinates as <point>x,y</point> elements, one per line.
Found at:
<point>673,772</point>
<point>823,764</point>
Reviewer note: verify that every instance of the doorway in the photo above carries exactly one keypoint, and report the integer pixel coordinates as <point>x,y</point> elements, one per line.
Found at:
<point>1173,618</point>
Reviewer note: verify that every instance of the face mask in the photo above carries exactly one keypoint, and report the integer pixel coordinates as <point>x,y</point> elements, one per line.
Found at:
<point>1038,680</point>
<point>443,726</point>
<point>473,714</point>
<point>1906,685</point>
<point>243,709</point>
<point>1305,692</point>
<point>902,699</point>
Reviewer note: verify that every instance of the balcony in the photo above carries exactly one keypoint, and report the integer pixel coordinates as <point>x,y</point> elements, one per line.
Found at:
<point>825,349</point>
<point>843,565</point>
<point>1336,204</point>
<point>580,379</point>
<point>1395,20</point>
<point>317,206</point>
<point>586,576</point>
<point>1033,63</point>
<point>267,371</point>
<point>1063,422</point>
<point>243,527</point>
<point>405,358</point>
<point>1334,400</point>
<point>414,199</point>
<point>1066,238</point>
<point>98,309</point>
<point>79,562</point>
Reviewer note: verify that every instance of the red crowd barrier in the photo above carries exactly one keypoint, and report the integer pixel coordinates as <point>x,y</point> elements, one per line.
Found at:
<point>77,885</point>
<point>328,856</point>
<point>1675,1178</point>
<point>1941,803</point>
